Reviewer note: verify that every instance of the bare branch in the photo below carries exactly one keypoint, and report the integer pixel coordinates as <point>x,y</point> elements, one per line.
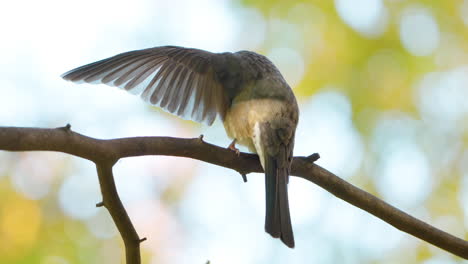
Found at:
<point>117,211</point>
<point>103,151</point>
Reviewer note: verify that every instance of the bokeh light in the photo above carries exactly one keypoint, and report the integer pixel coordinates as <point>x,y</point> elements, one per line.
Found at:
<point>441,97</point>
<point>370,21</point>
<point>250,28</point>
<point>326,128</point>
<point>290,63</point>
<point>419,31</point>
<point>404,184</point>
<point>464,12</point>
<point>464,197</point>
<point>31,178</point>
<point>101,225</point>
<point>54,260</point>
<point>80,193</point>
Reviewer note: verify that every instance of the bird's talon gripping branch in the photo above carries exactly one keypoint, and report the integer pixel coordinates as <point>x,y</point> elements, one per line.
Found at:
<point>201,138</point>
<point>232,147</point>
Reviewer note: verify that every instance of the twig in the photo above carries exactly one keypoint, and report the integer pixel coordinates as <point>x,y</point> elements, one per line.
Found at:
<point>117,211</point>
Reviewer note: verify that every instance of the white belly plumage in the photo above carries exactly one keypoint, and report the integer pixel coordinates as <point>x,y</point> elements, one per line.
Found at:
<point>243,118</point>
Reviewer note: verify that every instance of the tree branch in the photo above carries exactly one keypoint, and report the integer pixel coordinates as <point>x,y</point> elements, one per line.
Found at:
<point>111,200</point>
<point>106,152</point>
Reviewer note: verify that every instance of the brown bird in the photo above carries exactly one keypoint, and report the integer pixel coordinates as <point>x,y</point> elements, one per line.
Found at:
<point>244,89</point>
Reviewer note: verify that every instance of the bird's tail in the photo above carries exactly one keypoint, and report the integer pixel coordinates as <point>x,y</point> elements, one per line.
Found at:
<point>277,219</point>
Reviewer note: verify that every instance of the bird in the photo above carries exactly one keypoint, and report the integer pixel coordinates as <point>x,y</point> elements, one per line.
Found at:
<point>244,89</point>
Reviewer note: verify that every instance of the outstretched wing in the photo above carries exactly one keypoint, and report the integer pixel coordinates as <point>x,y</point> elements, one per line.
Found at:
<point>180,80</point>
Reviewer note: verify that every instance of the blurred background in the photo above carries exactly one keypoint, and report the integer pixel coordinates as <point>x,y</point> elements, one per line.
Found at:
<point>383,92</point>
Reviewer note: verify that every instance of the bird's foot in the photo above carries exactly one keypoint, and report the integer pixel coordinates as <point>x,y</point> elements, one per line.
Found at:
<point>232,147</point>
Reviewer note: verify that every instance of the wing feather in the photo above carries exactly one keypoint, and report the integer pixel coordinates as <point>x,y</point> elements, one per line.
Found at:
<point>179,88</point>
<point>136,69</point>
<point>189,87</point>
<point>163,74</point>
<point>197,110</point>
<point>144,75</point>
<point>97,72</point>
<point>180,80</point>
<point>172,87</point>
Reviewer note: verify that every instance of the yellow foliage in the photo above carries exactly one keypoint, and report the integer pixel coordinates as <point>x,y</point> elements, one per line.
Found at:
<point>20,222</point>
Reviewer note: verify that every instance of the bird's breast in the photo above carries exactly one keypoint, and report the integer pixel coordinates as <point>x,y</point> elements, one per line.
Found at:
<point>241,118</point>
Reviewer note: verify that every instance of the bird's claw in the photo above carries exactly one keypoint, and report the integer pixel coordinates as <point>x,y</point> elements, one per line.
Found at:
<point>232,147</point>
<point>236,150</point>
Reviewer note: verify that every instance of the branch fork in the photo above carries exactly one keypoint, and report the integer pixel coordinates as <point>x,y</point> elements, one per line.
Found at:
<point>105,153</point>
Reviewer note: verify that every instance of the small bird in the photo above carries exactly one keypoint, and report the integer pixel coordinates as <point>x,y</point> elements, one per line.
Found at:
<point>245,89</point>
